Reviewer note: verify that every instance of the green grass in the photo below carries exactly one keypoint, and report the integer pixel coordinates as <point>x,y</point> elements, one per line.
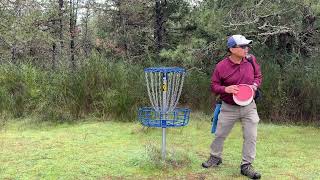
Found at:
<point>114,150</point>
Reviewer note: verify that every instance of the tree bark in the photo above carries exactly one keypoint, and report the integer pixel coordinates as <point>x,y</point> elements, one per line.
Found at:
<point>54,55</point>
<point>122,27</point>
<point>61,24</point>
<point>86,43</point>
<point>159,24</point>
<point>72,30</point>
<point>14,54</point>
<point>54,46</point>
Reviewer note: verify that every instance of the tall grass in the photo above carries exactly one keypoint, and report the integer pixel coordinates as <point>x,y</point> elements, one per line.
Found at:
<point>100,87</point>
<point>112,88</point>
<point>196,92</point>
<point>19,89</point>
<point>290,92</point>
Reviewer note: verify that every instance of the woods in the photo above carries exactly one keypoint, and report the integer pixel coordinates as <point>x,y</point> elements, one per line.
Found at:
<point>63,60</point>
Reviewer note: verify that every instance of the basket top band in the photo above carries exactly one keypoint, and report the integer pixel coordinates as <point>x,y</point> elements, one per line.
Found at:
<point>165,69</point>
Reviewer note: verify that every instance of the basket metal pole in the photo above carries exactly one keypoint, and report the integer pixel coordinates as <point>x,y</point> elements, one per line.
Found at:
<point>164,112</point>
<point>163,143</point>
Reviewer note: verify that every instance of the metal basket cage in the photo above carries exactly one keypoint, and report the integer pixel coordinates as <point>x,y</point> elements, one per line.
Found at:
<point>148,116</point>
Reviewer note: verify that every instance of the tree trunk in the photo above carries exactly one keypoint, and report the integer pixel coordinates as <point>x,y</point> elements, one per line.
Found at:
<point>17,11</point>
<point>308,24</point>
<point>122,27</point>
<point>54,54</point>
<point>72,30</point>
<point>159,24</point>
<point>86,43</point>
<point>54,46</point>
<point>61,24</point>
<point>14,54</point>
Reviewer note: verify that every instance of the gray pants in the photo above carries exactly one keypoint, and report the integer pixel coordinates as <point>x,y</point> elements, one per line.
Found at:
<point>229,114</point>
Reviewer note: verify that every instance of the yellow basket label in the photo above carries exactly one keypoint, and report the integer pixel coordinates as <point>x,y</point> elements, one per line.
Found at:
<point>164,87</point>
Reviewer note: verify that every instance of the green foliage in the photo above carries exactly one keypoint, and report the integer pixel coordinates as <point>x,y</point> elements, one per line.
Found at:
<point>289,94</point>
<point>184,55</point>
<point>19,89</point>
<point>100,87</point>
<point>196,92</point>
<point>111,83</point>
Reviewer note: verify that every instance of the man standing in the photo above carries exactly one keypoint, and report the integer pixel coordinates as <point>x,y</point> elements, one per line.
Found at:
<point>230,72</point>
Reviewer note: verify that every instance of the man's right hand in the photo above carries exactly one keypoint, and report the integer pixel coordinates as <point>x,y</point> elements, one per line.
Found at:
<point>233,89</point>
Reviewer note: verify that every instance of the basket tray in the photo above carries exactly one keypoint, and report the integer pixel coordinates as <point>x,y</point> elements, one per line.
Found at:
<point>151,118</point>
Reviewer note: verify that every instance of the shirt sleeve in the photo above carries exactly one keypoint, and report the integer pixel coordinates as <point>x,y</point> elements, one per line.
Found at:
<point>257,72</point>
<point>216,84</point>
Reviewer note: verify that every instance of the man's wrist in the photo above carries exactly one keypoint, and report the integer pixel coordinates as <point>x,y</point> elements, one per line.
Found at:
<point>255,86</point>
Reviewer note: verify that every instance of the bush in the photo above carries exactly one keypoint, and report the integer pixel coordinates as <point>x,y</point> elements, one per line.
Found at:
<point>196,92</point>
<point>100,87</point>
<point>107,87</point>
<point>19,90</point>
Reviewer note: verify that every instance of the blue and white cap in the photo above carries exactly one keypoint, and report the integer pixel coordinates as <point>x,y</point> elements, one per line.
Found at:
<point>237,40</point>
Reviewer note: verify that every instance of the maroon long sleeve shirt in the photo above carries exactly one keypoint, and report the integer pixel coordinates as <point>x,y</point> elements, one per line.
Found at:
<point>228,73</point>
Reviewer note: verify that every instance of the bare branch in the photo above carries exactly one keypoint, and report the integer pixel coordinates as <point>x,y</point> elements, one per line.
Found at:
<point>242,23</point>
<point>279,31</point>
<point>257,5</point>
<point>257,19</point>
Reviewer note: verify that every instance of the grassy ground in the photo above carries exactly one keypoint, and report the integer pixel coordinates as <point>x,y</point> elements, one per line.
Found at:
<point>113,150</point>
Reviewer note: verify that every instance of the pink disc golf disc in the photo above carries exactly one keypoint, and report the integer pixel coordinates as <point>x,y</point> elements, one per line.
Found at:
<point>244,95</point>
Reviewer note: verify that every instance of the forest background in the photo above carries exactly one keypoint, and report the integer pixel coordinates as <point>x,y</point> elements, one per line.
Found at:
<point>66,60</point>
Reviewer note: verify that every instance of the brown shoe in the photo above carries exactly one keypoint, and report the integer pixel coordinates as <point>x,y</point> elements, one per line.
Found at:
<point>213,161</point>
<point>247,170</point>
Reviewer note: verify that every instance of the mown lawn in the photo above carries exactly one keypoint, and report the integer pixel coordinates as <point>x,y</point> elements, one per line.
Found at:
<point>114,150</point>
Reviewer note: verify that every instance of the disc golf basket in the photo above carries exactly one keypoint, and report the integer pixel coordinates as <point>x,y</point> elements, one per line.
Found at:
<point>164,86</point>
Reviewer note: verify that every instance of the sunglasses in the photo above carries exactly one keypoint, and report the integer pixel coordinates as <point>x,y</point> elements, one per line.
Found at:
<point>243,47</point>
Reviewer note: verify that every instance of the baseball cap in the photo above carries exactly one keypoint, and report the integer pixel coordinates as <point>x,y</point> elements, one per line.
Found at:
<point>237,40</point>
